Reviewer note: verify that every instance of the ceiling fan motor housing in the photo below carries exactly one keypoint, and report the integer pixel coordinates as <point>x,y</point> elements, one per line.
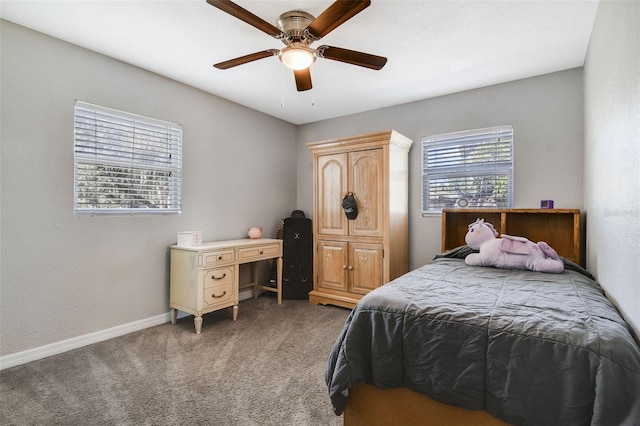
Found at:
<point>294,23</point>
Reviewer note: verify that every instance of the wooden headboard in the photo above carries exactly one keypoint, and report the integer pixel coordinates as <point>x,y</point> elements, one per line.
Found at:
<point>560,228</point>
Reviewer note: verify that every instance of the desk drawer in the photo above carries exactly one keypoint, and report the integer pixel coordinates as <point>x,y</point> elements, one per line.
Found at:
<point>213,258</point>
<point>217,295</point>
<point>218,277</point>
<point>250,254</point>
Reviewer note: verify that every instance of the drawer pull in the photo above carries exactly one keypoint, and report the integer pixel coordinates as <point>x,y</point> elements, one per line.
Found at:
<point>223,293</point>
<point>261,251</point>
<point>213,277</point>
<point>220,257</point>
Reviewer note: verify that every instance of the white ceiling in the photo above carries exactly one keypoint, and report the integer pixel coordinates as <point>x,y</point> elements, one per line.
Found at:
<point>433,47</point>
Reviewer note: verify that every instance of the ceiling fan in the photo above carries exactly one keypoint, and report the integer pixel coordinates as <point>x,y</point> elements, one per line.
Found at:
<point>297,30</point>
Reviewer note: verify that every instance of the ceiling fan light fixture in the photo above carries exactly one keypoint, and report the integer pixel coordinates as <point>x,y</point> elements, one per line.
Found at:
<point>297,56</point>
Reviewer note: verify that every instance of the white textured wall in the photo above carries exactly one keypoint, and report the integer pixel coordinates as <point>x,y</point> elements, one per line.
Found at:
<point>64,276</point>
<point>612,154</point>
<point>547,117</point>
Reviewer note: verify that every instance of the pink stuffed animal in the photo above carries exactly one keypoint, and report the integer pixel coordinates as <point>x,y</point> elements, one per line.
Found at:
<point>509,252</point>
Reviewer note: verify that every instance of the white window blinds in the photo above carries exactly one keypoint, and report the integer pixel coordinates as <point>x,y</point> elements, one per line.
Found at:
<point>125,163</point>
<point>468,169</point>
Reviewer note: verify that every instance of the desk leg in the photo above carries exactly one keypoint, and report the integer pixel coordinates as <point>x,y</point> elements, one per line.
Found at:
<point>279,280</point>
<point>234,315</point>
<point>254,273</point>
<point>197,322</point>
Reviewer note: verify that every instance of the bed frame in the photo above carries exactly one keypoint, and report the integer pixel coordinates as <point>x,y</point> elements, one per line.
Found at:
<point>371,406</point>
<point>367,405</point>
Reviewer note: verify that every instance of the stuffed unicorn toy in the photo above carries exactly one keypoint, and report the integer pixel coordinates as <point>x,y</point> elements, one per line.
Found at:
<point>509,252</point>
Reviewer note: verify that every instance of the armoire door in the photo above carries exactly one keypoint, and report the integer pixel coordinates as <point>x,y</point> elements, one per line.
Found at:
<point>331,185</point>
<point>366,179</point>
<point>333,260</point>
<point>365,267</point>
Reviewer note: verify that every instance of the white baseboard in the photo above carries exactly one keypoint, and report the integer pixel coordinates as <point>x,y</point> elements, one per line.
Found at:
<point>18,358</point>
<point>56,348</point>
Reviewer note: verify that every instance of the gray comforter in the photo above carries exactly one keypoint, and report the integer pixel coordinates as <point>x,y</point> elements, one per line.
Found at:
<point>528,347</point>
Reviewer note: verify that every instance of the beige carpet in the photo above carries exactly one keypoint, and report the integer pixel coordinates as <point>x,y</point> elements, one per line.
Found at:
<point>266,368</point>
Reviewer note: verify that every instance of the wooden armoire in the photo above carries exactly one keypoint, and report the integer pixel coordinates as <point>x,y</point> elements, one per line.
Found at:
<point>353,257</point>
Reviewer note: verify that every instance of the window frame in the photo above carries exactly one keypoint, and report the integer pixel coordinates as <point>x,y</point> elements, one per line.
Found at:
<point>124,163</point>
<point>459,145</point>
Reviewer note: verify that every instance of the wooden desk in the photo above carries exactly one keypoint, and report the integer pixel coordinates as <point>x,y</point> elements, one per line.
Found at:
<point>206,277</point>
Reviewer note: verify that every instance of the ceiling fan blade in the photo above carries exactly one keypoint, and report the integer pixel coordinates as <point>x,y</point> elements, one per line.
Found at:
<point>303,79</point>
<point>336,14</point>
<point>246,58</point>
<point>352,57</point>
<point>244,15</point>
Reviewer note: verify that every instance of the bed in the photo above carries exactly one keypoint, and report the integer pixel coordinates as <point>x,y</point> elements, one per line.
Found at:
<point>449,343</point>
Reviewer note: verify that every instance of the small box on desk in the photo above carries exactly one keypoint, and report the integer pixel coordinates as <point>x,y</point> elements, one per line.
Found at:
<point>189,238</point>
<point>546,204</point>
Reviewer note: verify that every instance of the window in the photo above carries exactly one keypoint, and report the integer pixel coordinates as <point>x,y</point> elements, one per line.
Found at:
<point>472,168</point>
<point>125,163</point>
